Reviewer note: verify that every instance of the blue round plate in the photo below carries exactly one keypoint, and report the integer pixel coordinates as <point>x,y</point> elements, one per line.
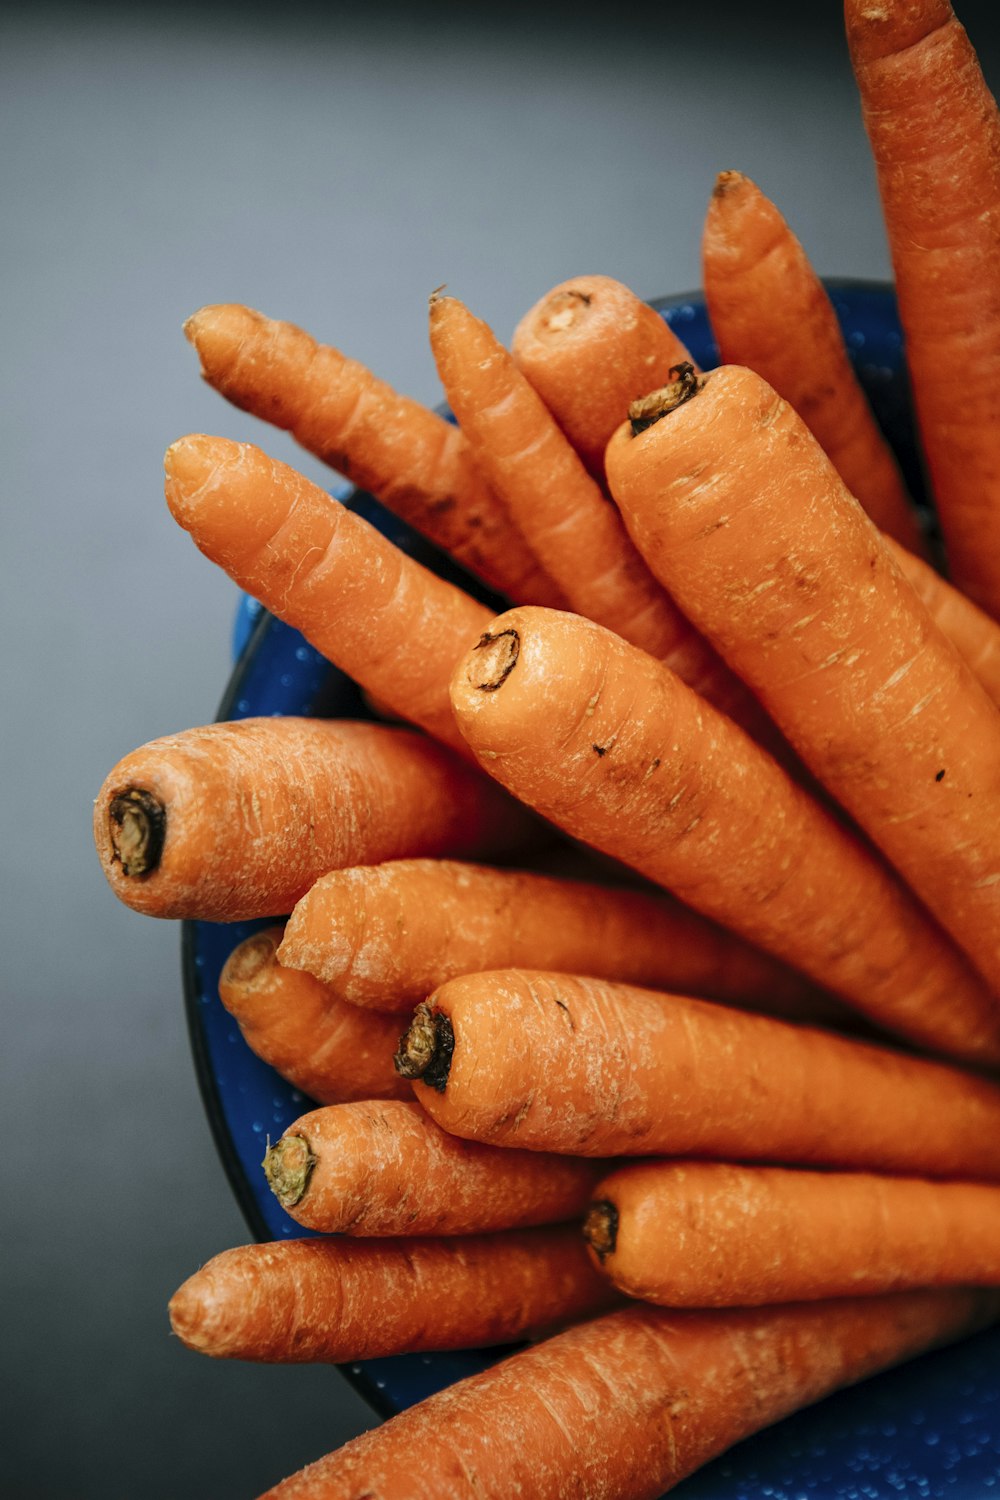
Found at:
<point>930,1430</point>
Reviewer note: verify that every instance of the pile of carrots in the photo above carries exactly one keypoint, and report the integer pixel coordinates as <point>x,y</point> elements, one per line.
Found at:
<point>642,955</point>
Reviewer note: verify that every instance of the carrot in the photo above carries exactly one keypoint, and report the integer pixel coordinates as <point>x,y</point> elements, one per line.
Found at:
<point>331,1051</point>
<point>616,751</point>
<point>624,1406</point>
<point>375,1169</point>
<point>412,460</point>
<point>699,1234</point>
<point>570,526</point>
<point>934,131</point>
<point>589,347</point>
<point>336,1300</point>
<point>974,634</point>
<point>390,624</point>
<point>549,1062</point>
<point>234,821</point>
<point>774,559</point>
<point>365,934</point>
<point>769,310</point>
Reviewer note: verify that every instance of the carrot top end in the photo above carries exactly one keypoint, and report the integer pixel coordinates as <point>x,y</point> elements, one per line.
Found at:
<point>426,1048</point>
<point>600,1228</point>
<point>137,824</point>
<point>660,403</point>
<point>288,1166</point>
<point>490,669</point>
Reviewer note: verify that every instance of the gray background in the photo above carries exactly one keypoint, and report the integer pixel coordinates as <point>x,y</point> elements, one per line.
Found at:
<point>329,168</point>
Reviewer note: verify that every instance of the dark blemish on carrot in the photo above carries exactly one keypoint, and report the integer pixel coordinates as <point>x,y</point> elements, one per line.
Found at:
<point>138,830</point>
<point>442,506</point>
<point>660,403</point>
<point>426,1048</point>
<point>600,1228</point>
<point>939,776</point>
<point>601,749</point>
<point>563,1006</point>
<point>491,671</point>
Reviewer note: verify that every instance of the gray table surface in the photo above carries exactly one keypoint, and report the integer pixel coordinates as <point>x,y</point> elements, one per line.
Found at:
<point>330,167</point>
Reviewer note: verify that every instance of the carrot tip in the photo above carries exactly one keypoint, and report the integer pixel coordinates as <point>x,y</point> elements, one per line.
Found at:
<point>600,1228</point>
<point>426,1047</point>
<point>500,652</point>
<point>650,409</point>
<point>138,829</point>
<point>725,182</point>
<point>288,1166</point>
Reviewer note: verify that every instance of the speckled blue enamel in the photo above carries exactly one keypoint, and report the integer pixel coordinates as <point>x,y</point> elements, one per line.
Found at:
<point>929,1431</point>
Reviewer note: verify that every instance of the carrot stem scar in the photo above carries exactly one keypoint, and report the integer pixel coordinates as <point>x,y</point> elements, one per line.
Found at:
<point>491,670</point>
<point>600,1228</point>
<point>649,409</point>
<point>287,1166</point>
<point>426,1047</point>
<point>138,823</point>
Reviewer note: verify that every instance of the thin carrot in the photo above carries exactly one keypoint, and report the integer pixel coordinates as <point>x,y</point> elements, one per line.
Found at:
<point>376,1169</point>
<point>237,820</point>
<point>550,1062</point>
<point>336,1300</point>
<point>578,536</point>
<point>700,1234</point>
<point>738,509</point>
<point>769,310</point>
<point>333,1052</point>
<point>589,347</point>
<point>616,751</point>
<point>394,627</point>
<point>407,456</point>
<point>974,634</point>
<point>365,934</point>
<point>934,131</point>
<point>624,1406</point>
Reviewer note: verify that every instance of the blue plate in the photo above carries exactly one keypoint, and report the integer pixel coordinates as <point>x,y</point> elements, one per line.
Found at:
<point>930,1430</point>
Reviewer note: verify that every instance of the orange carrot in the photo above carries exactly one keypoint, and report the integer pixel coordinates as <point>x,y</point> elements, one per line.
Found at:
<point>700,1234</point>
<point>934,131</point>
<point>408,457</point>
<point>234,821</point>
<point>365,934</point>
<point>589,347</point>
<point>336,1300</point>
<point>390,624</point>
<point>769,310</point>
<point>375,1169</point>
<point>624,1406</point>
<point>553,1063</point>
<point>774,559</point>
<point>331,1051</point>
<point>616,751</point>
<point>974,634</point>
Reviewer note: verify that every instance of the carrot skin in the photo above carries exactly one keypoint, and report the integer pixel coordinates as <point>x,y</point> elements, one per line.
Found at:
<point>550,1062</point>
<point>363,932</point>
<point>623,1407</point>
<point>257,809</point>
<point>699,1234</point>
<point>616,751</point>
<point>412,460</point>
<point>299,1301</point>
<point>974,634</point>
<point>386,1169</point>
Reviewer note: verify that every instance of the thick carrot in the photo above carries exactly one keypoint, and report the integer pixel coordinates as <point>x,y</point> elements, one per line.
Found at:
<point>335,1300</point>
<point>974,634</point>
<point>769,310</point>
<point>589,347</point>
<point>618,752</point>
<point>553,1063</point>
<point>934,131</point>
<point>408,457</point>
<point>624,1406</point>
<point>738,509</point>
<point>234,821</point>
<point>375,1169</point>
<point>390,624</point>
<point>707,1234</point>
<point>365,933</point>
<point>333,1052</point>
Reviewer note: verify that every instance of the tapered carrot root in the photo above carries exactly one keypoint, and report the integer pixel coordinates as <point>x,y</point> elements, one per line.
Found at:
<point>364,933</point>
<point>769,310</point>
<point>615,750</point>
<point>333,1052</point>
<point>554,1063</point>
<point>589,347</point>
<point>337,1300</point>
<point>623,1407</point>
<point>408,457</point>
<point>934,131</point>
<point>774,559</point>
<point>699,1234</point>
<point>237,820</point>
<point>394,627</point>
<point>386,1169</point>
<point>974,634</point>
